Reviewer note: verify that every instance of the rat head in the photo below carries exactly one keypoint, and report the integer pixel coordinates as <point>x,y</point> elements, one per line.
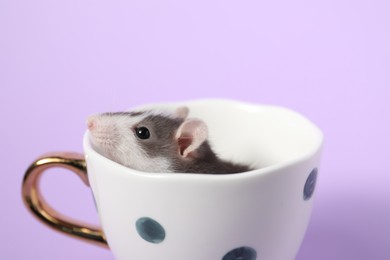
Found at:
<point>149,141</point>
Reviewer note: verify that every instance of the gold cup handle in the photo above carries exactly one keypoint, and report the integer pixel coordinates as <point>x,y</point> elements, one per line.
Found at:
<point>35,202</point>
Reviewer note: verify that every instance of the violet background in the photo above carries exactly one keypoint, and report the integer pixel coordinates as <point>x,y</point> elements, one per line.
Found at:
<point>329,60</point>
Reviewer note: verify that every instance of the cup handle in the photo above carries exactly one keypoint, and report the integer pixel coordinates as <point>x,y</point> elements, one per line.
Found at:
<point>35,202</point>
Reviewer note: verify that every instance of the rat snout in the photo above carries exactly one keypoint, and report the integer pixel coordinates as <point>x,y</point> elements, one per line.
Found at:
<point>103,133</point>
<point>101,127</point>
<point>91,122</point>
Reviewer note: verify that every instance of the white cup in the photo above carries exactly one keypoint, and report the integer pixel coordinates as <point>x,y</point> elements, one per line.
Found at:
<point>260,214</point>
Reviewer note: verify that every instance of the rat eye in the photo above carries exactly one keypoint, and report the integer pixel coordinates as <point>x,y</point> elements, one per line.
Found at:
<point>142,132</point>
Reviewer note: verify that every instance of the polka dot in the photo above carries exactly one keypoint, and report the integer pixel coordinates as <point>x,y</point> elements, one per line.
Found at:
<point>241,253</point>
<point>310,184</point>
<point>150,230</point>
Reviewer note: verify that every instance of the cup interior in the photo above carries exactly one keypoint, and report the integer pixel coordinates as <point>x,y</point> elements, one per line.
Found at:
<point>258,135</point>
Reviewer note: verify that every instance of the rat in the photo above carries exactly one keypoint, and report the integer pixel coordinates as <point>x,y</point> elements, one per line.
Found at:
<point>158,141</point>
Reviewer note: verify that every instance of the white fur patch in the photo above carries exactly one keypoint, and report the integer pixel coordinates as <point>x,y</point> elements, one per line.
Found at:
<point>113,137</point>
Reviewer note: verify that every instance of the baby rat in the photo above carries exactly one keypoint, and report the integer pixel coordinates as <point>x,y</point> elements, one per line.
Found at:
<point>154,141</point>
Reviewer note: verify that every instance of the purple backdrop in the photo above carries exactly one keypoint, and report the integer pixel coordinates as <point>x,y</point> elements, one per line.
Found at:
<point>330,60</point>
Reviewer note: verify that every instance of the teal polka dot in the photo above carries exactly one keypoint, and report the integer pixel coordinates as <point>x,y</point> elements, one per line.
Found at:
<point>310,184</point>
<point>150,230</point>
<point>241,253</point>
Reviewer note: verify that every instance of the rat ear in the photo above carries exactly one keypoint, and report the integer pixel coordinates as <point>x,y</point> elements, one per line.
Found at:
<point>182,112</point>
<point>190,135</point>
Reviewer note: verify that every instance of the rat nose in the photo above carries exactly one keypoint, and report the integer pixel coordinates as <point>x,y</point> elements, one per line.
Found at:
<point>91,122</point>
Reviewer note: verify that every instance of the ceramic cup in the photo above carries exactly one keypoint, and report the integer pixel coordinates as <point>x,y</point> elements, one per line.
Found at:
<point>261,214</point>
